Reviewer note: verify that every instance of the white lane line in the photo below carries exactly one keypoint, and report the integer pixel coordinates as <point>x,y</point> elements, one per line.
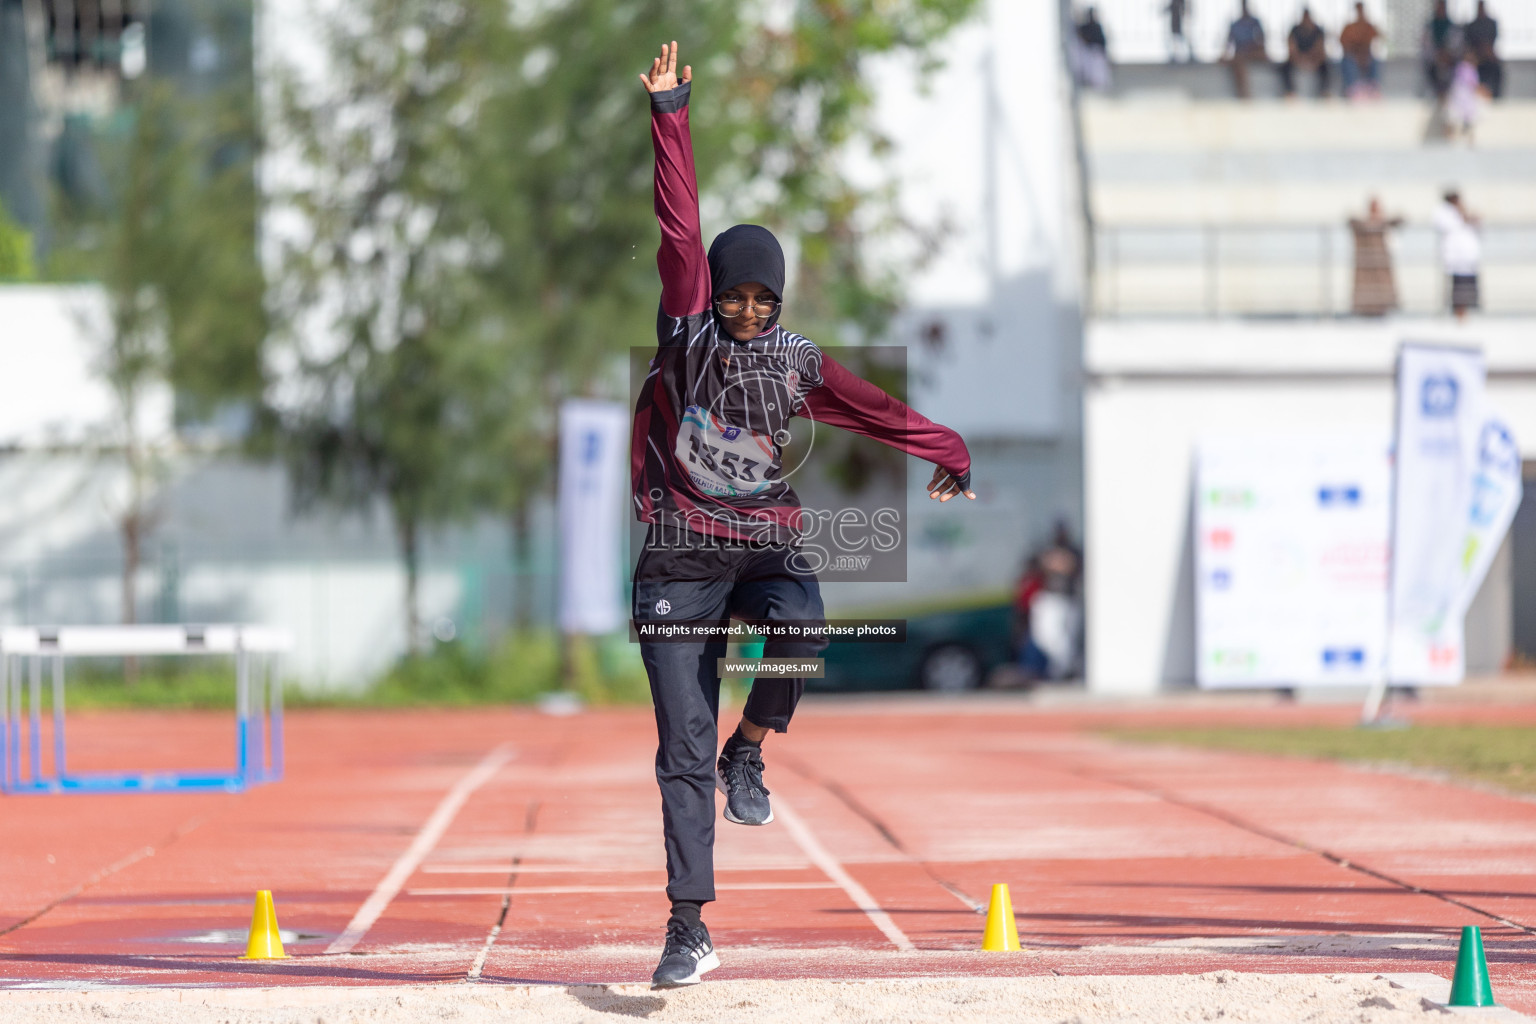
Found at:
<point>582,890</point>
<point>391,884</point>
<point>582,869</point>
<point>834,870</point>
<point>478,967</point>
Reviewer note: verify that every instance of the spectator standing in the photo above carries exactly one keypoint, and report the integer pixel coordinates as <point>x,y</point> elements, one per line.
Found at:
<point>1360,69</point>
<point>1464,103</point>
<point>1481,35</point>
<point>1305,51</point>
<point>1055,611</point>
<point>1375,290</point>
<point>1092,52</point>
<point>1031,659</point>
<point>1461,250</point>
<point>1442,45</point>
<point>1178,43</point>
<point>1245,45</point>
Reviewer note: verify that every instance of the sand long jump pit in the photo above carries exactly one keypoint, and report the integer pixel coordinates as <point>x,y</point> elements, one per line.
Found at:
<point>1216,996</point>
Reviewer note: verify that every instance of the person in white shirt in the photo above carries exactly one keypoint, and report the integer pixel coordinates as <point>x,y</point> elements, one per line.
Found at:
<point>1461,250</point>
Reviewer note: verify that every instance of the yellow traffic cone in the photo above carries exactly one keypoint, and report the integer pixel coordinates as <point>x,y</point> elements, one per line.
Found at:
<point>265,943</point>
<point>1001,934</point>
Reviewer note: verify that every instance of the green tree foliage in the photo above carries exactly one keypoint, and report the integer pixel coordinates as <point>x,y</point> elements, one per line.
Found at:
<point>473,235</point>
<point>172,237</point>
<point>172,240</point>
<point>15,250</point>
<point>397,337</point>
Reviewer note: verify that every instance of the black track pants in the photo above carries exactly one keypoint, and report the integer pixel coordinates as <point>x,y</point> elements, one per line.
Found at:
<point>692,582</point>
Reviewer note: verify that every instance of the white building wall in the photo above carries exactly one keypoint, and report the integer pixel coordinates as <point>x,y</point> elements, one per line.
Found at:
<point>53,346</point>
<point>1155,388</point>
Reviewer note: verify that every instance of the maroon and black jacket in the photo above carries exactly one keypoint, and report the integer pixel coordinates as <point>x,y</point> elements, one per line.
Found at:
<point>714,413</point>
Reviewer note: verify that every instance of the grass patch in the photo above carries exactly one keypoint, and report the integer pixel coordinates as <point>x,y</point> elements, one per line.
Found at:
<point>521,669</point>
<point>163,683</point>
<point>1499,754</point>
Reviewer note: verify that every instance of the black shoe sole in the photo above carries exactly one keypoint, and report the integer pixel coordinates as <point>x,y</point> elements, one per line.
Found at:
<point>721,786</point>
<point>709,962</point>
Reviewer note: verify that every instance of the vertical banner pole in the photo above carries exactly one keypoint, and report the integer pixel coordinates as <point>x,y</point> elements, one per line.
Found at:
<point>58,717</point>
<point>1373,699</point>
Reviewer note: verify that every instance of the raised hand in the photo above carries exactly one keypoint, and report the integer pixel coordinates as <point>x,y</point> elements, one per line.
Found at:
<point>663,74</point>
<point>944,486</point>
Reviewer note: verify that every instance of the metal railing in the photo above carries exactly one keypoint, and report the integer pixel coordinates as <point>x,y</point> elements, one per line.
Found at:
<point>1306,270</point>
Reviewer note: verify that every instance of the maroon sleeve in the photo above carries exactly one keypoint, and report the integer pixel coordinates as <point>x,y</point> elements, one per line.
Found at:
<point>684,269</point>
<point>853,403</point>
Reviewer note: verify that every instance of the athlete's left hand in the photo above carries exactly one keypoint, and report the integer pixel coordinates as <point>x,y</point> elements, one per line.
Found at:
<point>944,486</point>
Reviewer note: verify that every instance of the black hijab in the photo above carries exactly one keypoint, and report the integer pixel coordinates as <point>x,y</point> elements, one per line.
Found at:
<point>743,254</point>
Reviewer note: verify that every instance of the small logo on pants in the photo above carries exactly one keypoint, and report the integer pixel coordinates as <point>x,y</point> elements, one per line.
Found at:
<point>663,606</point>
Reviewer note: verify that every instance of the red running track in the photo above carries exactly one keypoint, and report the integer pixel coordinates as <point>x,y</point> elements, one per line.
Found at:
<point>511,846</point>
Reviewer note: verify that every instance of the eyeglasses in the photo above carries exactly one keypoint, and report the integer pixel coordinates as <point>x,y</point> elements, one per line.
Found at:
<point>732,308</point>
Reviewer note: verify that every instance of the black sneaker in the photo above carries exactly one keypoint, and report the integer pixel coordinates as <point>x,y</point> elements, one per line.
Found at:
<point>740,778</point>
<point>686,958</point>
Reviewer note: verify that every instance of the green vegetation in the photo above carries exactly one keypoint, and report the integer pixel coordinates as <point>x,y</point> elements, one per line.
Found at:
<point>166,684</point>
<point>518,671</point>
<point>965,602</point>
<point>15,250</point>
<point>1503,755</point>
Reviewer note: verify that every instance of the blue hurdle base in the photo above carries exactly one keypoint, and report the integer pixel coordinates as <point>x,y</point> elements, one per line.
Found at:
<point>146,782</point>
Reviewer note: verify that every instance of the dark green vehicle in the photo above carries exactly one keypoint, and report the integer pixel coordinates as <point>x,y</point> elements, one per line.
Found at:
<point>947,649</point>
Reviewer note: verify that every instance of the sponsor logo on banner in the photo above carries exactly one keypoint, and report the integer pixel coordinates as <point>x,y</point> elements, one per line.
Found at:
<point>1233,497</point>
<point>1332,497</point>
<point>1344,658</point>
<point>1437,395</point>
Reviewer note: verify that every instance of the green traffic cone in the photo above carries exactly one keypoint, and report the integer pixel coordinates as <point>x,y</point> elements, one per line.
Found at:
<point>1470,986</point>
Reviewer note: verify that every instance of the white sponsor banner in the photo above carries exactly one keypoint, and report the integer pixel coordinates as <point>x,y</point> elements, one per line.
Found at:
<point>593,442</point>
<point>1440,415</point>
<point>1291,542</point>
<point>1496,493</point>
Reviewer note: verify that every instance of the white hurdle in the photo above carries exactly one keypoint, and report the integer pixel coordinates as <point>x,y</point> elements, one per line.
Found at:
<point>258,703</point>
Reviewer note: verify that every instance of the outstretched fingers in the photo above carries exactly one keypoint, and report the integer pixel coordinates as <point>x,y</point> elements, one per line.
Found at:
<point>664,70</point>
<point>945,485</point>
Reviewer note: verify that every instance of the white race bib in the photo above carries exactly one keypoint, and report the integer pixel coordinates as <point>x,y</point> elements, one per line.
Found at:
<point>721,459</point>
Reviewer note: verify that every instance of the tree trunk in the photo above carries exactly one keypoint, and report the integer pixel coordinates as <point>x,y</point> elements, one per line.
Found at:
<point>522,579</point>
<point>133,544</point>
<point>409,533</point>
<point>133,527</point>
